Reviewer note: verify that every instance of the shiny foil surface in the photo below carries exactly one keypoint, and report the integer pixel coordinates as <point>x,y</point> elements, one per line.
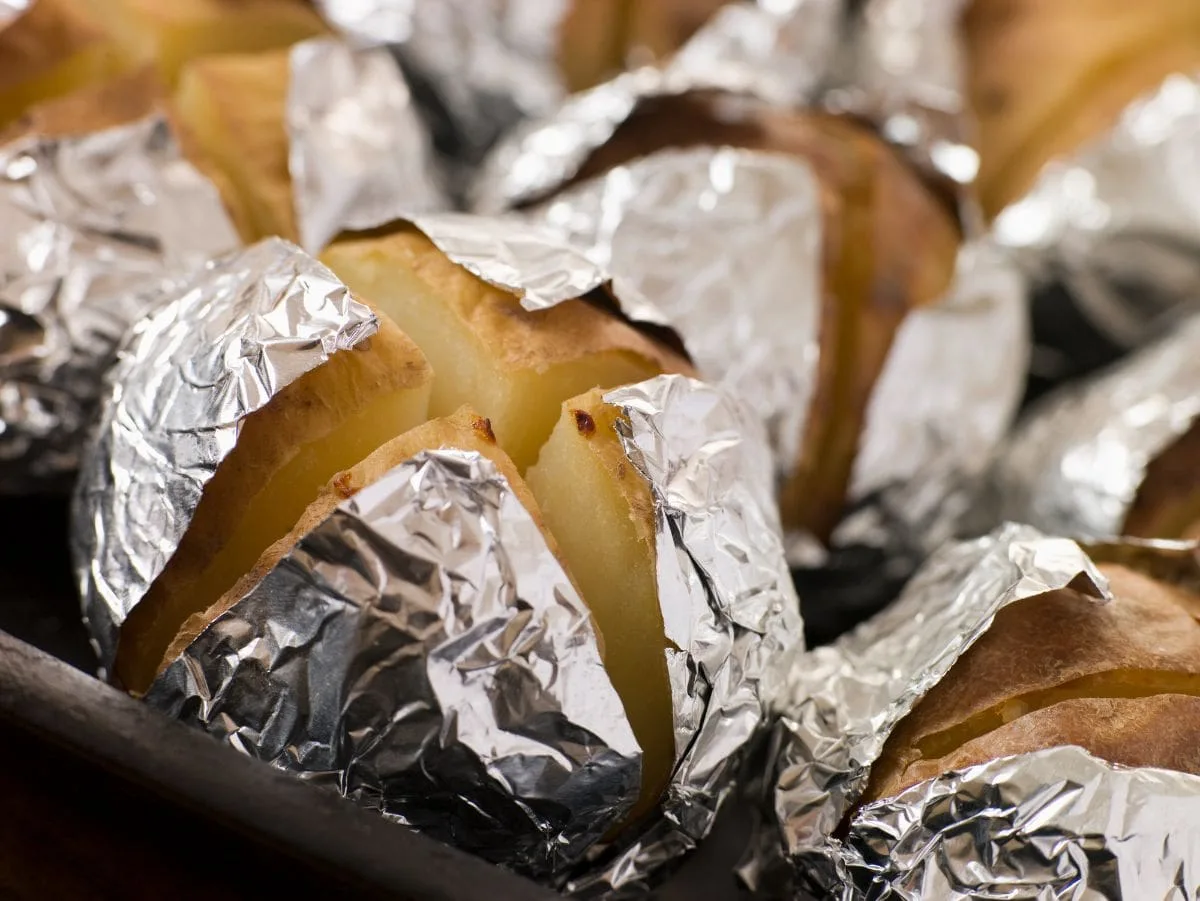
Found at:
<point>92,229</point>
<point>423,653</point>
<point>360,155</point>
<point>725,245</point>
<point>905,72</point>
<point>1075,462</point>
<point>481,65</point>
<point>10,9</point>
<point>727,600</point>
<point>218,347</point>
<point>788,47</point>
<point>1117,223</point>
<point>845,699</point>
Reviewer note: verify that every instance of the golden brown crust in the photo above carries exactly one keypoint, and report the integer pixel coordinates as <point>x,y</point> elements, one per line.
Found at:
<point>521,339</point>
<point>1046,77</point>
<point>1041,652</point>
<point>465,430</point>
<point>890,246</point>
<point>1158,731</point>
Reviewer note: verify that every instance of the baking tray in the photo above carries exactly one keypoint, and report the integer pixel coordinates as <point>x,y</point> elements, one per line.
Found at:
<point>105,798</point>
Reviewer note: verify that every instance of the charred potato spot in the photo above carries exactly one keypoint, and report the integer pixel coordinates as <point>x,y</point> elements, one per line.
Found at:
<point>484,428</point>
<point>584,423</point>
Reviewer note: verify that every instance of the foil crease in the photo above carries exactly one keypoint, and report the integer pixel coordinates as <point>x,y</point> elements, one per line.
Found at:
<point>92,227</point>
<point>359,153</point>
<point>904,70</point>
<point>1055,825</point>
<point>788,47</point>
<point>1075,463</point>
<point>480,66</point>
<point>843,700</point>
<point>423,653</point>
<point>216,349</point>
<point>1117,224</point>
<point>749,260</point>
<point>730,610</point>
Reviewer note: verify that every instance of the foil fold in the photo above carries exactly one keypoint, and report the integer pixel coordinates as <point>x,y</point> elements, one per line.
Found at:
<point>93,228</point>
<point>727,601</point>
<point>1117,223</point>
<point>359,153</point>
<point>216,348</point>
<point>1076,461</point>
<point>423,653</point>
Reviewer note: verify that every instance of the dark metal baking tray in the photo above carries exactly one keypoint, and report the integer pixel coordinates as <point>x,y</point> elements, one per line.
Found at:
<point>104,798</point>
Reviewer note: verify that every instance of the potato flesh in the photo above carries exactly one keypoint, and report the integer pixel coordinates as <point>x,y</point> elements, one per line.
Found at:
<point>250,509</point>
<point>233,107</point>
<point>522,401</point>
<point>182,30</point>
<point>600,512</point>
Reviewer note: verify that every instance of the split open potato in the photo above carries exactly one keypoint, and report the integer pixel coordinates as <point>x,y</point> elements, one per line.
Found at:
<point>889,247</point>
<point>1121,680</point>
<point>1044,78</point>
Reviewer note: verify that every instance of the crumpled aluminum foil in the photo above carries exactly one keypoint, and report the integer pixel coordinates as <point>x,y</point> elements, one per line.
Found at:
<point>91,228</point>
<point>478,67</point>
<point>1118,222</point>
<point>846,698</point>
<point>1075,463</point>
<point>423,653</point>
<point>788,48</point>
<point>217,349</point>
<point>360,155</point>
<point>903,70</point>
<point>727,602</point>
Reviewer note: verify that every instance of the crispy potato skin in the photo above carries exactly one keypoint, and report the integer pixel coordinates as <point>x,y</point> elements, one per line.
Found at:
<point>1120,679</point>
<point>889,247</point>
<point>1167,503</point>
<point>1044,78</point>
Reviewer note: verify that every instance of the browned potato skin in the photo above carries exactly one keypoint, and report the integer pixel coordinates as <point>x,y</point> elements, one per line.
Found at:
<point>1167,504</point>
<point>600,38</point>
<point>890,246</point>
<point>465,430</point>
<point>1045,77</point>
<point>1121,680</point>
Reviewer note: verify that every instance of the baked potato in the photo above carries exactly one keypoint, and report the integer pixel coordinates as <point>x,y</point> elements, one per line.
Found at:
<point>1119,679</point>
<point>889,247</point>
<point>1044,78</point>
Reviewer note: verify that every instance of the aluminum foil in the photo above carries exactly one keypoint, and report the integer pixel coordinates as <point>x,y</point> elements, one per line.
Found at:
<point>479,67</point>
<point>423,653</point>
<point>1059,824</point>
<point>727,602</point>
<point>846,698</point>
<point>1076,462</point>
<point>92,228</point>
<point>903,69</point>
<point>218,348</point>
<point>360,154</point>
<point>787,47</point>
<point>716,237</point>
<point>1117,224</point>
